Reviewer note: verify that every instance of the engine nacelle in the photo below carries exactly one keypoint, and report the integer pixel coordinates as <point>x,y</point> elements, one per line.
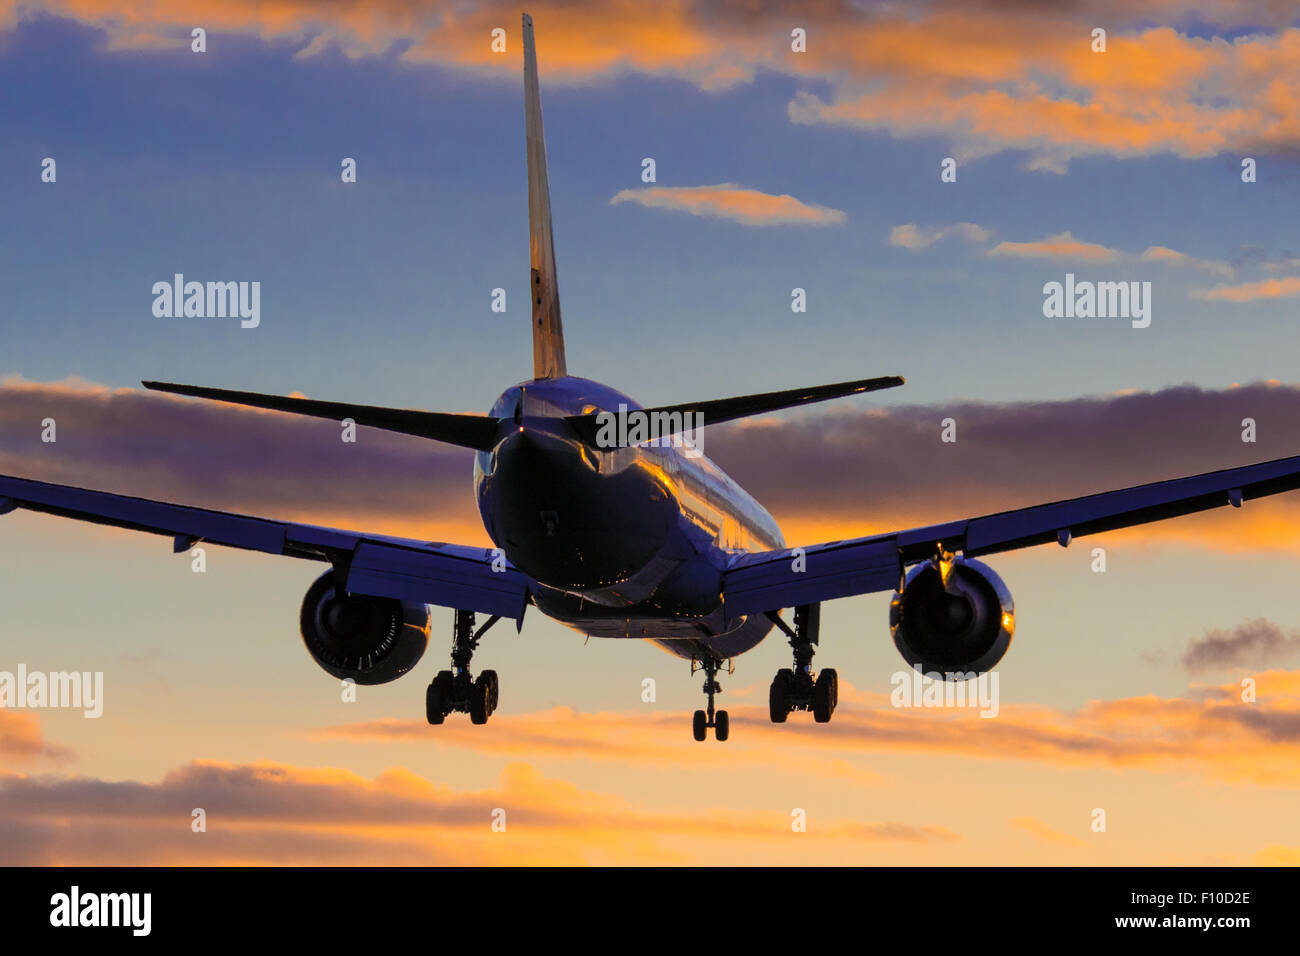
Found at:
<point>368,639</point>
<point>959,631</point>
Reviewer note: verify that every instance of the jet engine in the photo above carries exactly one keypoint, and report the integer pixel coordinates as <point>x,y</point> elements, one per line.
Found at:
<point>958,630</point>
<point>368,639</point>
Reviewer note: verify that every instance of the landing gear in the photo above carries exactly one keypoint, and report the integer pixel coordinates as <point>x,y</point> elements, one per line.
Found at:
<point>483,697</point>
<point>826,694</point>
<point>780,695</point>
<point>717,719</point>
<point>437,698</point>
<point>796,688</point>
<point>455,691</point>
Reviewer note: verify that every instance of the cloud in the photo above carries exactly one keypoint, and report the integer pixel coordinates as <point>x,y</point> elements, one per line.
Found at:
<point>1251,291</point>
<point>274,813</point>
<point>1060,246</point>
<point>21,741</point>
<point>1041,831</point>
<point>1167,256</point>
<point>749,207</point>
<point>1277,856</point>
<point>632,737</point>
<point>1282,728</point>
<point>991,80</point>
<point>911,236</point>
<point>848,470</point>
<point>987,77</point>
<point>856,472</point>
<point>1209,732</point>
<point>1257,643</point>
<point>217,455</point>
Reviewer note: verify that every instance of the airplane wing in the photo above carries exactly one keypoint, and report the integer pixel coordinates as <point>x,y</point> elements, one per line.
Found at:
<point>421,572</point>
<point>772,580</point>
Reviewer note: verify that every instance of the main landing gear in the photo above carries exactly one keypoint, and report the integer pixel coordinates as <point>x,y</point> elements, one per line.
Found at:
<point>796,688</point>
<point>718,720</point>
<point>455,691</point>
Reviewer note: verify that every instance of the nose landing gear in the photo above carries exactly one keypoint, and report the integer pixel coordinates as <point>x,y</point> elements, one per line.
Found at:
<point>456,691</point>
<point>796,688</point>
<point>717,719</point>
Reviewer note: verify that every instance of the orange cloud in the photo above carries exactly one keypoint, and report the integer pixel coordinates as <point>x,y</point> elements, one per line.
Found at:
<point>1277,856</point>
<point>1060,246</point>
<point>21,740</point>
<point>749,207</point>
<point>1250,291</point>
<point>270,813</point>
<point>1209,732</point>
<point>987,76</point>
<point>631,737</point>
<point>911,236</point>
<point>1167,256</point>
<point>1041,831</point>
<point>1002,79</point>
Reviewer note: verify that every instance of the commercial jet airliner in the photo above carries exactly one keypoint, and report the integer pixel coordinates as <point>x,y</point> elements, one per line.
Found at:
<point>631,539</point>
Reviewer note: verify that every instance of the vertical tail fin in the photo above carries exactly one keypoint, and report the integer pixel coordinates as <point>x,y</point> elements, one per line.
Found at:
<point>548,331</point>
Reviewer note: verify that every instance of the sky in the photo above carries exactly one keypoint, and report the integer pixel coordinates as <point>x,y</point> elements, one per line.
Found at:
<point>775,170</point>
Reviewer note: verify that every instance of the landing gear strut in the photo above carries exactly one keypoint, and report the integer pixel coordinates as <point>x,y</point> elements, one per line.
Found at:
<point>797,688</point>
<point>717,719</point>
<point>455,691</point>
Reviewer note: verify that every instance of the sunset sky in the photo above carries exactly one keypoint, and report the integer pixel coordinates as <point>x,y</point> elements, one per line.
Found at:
<point>775,170</point>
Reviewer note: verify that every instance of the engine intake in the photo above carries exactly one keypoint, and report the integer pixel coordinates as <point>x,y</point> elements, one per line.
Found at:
<point>962,630</point>
<point>368,639</point>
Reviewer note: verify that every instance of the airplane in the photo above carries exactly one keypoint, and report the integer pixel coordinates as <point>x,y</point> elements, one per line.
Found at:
<point>627,539</point>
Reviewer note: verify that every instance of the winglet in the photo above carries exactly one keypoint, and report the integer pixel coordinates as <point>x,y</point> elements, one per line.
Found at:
<point>548,331</point>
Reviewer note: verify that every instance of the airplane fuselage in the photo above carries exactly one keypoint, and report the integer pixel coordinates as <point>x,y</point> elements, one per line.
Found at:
<point>625,542</point>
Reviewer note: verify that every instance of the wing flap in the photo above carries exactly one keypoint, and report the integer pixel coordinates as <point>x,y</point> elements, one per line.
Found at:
<point>839,569</point>
<point>433,577</point>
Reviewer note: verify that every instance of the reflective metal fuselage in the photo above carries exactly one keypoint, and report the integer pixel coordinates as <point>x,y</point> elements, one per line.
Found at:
<point>625,542</point>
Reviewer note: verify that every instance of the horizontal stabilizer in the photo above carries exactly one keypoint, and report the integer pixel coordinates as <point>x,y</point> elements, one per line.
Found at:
<point>694,414</point>
<point>468,431</point>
